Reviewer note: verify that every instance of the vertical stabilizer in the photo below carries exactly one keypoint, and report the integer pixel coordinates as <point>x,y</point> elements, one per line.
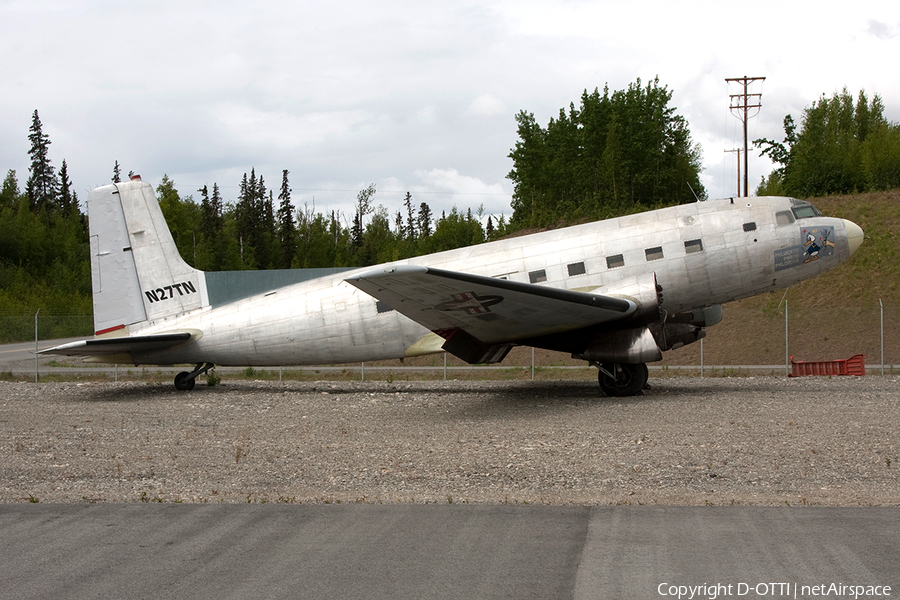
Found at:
<point>136,271</point>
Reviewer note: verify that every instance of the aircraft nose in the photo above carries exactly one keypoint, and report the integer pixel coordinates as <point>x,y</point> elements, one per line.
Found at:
<point>855,235</point>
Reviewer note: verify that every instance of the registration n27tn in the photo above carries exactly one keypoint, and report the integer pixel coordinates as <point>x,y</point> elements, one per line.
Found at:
<point>615,293</point>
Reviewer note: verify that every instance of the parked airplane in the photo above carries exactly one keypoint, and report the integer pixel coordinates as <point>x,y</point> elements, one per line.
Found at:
<point>615,293</point>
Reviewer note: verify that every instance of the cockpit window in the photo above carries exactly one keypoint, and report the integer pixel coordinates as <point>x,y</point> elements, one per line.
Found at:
<point>804,210</point>
<point>784,217</point>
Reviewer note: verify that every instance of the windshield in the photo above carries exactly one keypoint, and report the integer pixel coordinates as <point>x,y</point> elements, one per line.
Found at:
<point>804,210</point>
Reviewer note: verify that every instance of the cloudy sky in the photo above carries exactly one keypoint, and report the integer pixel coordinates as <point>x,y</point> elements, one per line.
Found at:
<point>413,96</point>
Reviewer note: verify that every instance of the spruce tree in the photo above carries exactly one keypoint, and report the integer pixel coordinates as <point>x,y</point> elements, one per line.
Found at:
<point>270,242</point>
<point>42,186</point>
<point>248,214</point>
<point>398,225</point>
<point>9,193</point>
<point>266,204</point>
<point>410,217</point>
<point>213,226</point>
<point>424,224</point>
<point>287,230</point>
<point>68,202</point>
<point>363,208</point>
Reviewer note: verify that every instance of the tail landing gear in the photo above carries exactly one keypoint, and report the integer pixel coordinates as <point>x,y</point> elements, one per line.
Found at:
<point>622,379</point>
<point>185,381</point>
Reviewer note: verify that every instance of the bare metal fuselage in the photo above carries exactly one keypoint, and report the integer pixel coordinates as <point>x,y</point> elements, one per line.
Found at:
<point>703,254</point>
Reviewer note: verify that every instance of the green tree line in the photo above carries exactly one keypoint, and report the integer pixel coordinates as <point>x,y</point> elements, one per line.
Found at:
<point>44,248</point>
<point>616,153</point>
<point>43,241</point>
<point>844,146</point>
<point>260,231</point>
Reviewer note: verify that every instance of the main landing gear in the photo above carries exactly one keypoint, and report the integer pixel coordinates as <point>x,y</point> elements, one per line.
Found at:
<point>622,379</point>
<point>185,381</point>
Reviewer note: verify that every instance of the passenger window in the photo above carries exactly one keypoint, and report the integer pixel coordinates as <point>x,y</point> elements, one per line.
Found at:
<point>654,253</point>
<point>692,246</point>
<point>383,307</point>
<point>576,269</point>
<point>784,217</point>
<point>614,262</point>
<point>538,276</point>
<point>750,226</point>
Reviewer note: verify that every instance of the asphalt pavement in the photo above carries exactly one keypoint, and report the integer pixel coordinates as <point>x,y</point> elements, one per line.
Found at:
<point>446,551</point>
<point>147,550</point>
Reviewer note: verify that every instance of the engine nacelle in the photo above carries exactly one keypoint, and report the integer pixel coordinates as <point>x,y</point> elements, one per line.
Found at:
<point>652,331</point>
<point>636,345</point>
<point>643,291</point>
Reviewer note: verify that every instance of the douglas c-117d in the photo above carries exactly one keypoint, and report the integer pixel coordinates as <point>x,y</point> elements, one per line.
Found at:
<point>615,293</point>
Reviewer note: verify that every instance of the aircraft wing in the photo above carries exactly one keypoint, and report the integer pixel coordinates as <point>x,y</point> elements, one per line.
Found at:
<point>119,345</point>
<point>493,311</point>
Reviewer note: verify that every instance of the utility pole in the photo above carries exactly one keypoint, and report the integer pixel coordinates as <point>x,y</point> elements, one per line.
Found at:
<point>738,151</point>
<point>742,104</point>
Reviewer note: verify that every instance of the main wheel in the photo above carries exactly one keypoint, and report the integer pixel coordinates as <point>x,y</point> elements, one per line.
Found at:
<point>629,379</point>
<point>184,382</point>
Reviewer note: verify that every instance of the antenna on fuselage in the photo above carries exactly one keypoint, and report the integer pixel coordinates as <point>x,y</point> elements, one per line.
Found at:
<point>693,192</point>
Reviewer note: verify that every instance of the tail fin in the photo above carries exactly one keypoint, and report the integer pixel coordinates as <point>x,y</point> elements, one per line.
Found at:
<point>136,271</point>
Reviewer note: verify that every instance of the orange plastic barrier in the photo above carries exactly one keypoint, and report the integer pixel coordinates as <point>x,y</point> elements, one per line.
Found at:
<point>855,365</point>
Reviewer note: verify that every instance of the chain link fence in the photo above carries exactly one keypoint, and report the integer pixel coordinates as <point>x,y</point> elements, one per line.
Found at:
<point>768,337</point>
<point>748,339</point>
<point>19,328</point>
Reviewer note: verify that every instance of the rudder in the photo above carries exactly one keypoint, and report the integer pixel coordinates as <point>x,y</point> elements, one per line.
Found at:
<point>137,273</point>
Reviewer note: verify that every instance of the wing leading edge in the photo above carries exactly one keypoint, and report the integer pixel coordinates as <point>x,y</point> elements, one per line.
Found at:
<point>482,317</point>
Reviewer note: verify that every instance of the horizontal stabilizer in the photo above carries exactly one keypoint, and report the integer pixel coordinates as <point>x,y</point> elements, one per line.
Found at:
<point>119,345</point>
<point>494,311</point>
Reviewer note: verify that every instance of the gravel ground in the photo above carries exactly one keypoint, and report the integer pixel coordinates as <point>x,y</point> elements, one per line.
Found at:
<point>686,441</point>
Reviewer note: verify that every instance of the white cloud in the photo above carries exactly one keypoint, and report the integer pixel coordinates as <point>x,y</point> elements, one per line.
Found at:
<point>487,105</point>
<point>453,188</point>
<point>882,31</point>
<point>283,130</point>
<point>421,94</point>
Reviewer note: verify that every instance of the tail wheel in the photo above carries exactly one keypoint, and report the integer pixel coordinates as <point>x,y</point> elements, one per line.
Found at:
<point>628,380</point>
<point>184,381</point>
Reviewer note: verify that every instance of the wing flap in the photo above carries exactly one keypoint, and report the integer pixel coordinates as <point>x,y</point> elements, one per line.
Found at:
<point>495,311</point>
